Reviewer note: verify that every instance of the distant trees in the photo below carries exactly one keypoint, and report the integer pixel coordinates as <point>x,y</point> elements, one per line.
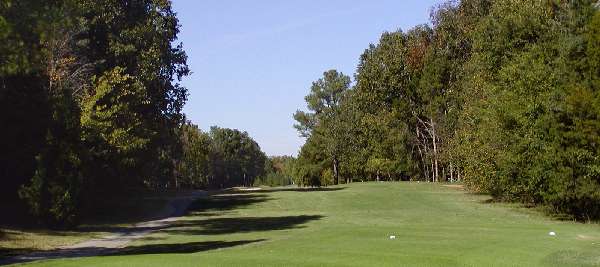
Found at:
<point>193,169</point>
<point>278,172</point>
<point>239,158</point>
<point>502,95</point>
<point>218,159</point>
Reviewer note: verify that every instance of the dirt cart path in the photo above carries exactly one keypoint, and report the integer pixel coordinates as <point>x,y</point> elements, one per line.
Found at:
<point>113,242</point>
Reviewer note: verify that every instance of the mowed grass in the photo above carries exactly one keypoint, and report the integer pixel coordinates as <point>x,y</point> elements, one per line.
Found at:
<point>350,226</point>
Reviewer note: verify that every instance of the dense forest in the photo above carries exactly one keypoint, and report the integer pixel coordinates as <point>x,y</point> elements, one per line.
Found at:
<point>92,108</point>
<point>500,95</point>
<point>503,96</point>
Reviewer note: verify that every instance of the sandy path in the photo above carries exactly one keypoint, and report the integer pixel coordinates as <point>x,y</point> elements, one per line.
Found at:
<point>112,243</point>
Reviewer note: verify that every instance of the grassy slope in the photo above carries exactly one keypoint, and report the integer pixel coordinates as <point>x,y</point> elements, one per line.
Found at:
<point>119,213</point>
<point>17,241</point>
<point>434,226</point>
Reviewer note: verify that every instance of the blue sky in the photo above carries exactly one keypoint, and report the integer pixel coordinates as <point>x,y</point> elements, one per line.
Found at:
<point>254,61</point>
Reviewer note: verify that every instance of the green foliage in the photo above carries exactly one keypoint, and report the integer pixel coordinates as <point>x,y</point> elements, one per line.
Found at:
<point>89,89</point>
<point>593,50</point>
<point>277,172</point>
<point>237,158</point>
<point>502,95</point>
<point>218,159</point>
<point>120,38</point>
<point>113,123</point>
<point>273,179</point>
<point>193,169</point>
<point>54,192</point>
<point>311,164</point>
<point>531,136</point>
<point>324,123</point>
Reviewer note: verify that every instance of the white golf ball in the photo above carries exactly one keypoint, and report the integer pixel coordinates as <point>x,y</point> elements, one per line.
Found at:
<point>552,234</point>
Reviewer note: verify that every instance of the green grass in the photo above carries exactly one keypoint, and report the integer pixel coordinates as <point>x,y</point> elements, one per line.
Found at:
<point>350,226</point>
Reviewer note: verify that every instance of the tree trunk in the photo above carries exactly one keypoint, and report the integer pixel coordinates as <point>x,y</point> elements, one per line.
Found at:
<point>451,173</point>
<point>432,170</point>
<point>425,168</point>
<point>336,175</point>
<point>435,152</point>
<point>444,179</point>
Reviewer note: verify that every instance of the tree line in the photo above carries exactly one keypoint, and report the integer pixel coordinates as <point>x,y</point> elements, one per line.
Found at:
<point>277,172</point>
<point>91,108</point>
<point>220,158</point>
<point>500,95</point>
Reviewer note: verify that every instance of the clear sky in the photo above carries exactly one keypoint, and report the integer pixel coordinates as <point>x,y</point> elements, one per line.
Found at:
<point>254,61</point>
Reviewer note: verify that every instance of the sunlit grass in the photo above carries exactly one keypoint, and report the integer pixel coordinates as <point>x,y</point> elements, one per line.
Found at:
<point>350,226</point>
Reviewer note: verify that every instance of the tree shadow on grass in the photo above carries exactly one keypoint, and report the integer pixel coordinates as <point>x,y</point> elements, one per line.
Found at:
<point>290,189</point>
<point>220,226</point>
<point>191,247</point>
<point>6,253</point>
<point>215,205</point>
<point>304,189</point>
<point>225,202</point>
<point>229,201</point>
